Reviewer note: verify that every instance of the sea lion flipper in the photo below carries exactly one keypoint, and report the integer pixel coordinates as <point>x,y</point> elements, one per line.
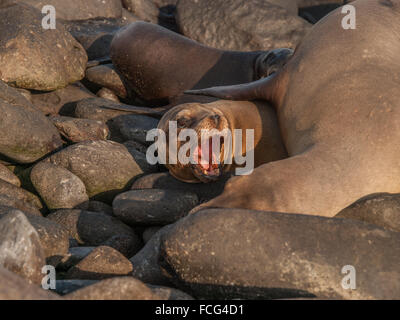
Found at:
<point>260,89</point>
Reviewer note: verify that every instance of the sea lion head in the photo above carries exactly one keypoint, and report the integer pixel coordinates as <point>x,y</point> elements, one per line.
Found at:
<point>197,117</point>
<point>271,61</point>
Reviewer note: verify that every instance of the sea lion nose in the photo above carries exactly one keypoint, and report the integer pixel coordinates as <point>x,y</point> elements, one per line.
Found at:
<point>216,118</point>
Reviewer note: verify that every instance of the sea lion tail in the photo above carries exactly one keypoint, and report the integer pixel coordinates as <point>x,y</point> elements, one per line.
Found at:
<point>261,89</point>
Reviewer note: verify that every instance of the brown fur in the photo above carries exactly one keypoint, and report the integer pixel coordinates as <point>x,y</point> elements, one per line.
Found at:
<point>259,116</point>
<point>338,105</point>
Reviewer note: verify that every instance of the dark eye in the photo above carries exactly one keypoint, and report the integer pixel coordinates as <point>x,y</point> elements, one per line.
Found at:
<point>183,122</point>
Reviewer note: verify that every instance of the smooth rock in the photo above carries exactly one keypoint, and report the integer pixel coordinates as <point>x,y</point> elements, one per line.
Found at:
<point>107,76</point>
<point>128,245</point>
<point>105,93</point>
<point>62,101</point>
<point>146,262</point>
<point>205,191</point>
<point>58,187</point>
<point>32,57</point>
<point>64,287</point>
<point>81,10</point>
<point>148,233</point>
<point>379,209</point>
<point>145,10</point>
<point>8,203</point>
<point>90,228</point>
<point>232,253</point>
<point>135,127</point>
<point>105,167</point>
<point>97,206</point>
<point>13,287</point>
<point>75,255</point>
<point>102,263</point>
<point>20,247</point>
<point>120,288</point>
<point>53,237</point>
<point>8,176</point>
<point>153,206</point>
<point>27,135</point>
<point>241,25</point>
<point>140,157</point>
<point>20,194</point>
<point>78,130</point>
<point>172,294</point>
<point>95,35</point>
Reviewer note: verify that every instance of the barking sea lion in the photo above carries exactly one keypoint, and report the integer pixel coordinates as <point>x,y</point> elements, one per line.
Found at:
<point>220,115</point>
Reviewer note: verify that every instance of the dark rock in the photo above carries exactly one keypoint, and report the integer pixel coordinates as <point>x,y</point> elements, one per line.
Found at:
<point>134,145</point>
<point>153,206</point>
<point>64,287</point>
<point>121,288</point>
<point>106,111</point>
<point>135,127</point>
<point>20,247</point>
<point>145,10</point>
<point>232,253</point>
<point>314,10</point>
<point>8,202</point>
<point>75,255</point>
<point>205,191</point>
<point>58,187</point>
<point>102,263</point>
<point>8,176</point>
<point>107,76</point>
<point>13,287</point>
<point>97,206</point>
<point>166,293</point>
<point>105,167</point>
<point>20,194</point>
<point>78,130</point>
<point>252,25</point>
<point>379,209</point>
<point>128,245</point>
<point>27,135</point>
<point>53,237</point>
<point>61,101</point>
<point>90,228</point>
<point>81,10</point>
<point>95,35</point>
<point>145,263</point>
<point>140,157</point>
<point>32,57</point>
<point>149,233</point>
<point>105,93</point>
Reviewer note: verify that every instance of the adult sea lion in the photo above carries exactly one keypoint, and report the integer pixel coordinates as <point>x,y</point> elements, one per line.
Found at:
<point>338,105</point>
<point>220,115</point>
<point>158,64</point>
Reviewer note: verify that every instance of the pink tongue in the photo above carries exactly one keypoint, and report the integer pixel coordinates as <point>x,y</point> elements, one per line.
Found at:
<point>211,158</point>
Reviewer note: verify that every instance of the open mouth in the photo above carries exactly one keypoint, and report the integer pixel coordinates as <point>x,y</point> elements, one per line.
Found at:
<point>209,167</point>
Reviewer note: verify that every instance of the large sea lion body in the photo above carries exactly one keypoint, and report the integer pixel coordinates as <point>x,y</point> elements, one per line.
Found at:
<point>338,105</point>
<point>158,64</point>
<point>258,116</point>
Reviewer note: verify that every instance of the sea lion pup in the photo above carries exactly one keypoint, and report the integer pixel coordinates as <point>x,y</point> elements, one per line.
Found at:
<point>220,115</point>
<point>158,64</point>
<point>338,106</point>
